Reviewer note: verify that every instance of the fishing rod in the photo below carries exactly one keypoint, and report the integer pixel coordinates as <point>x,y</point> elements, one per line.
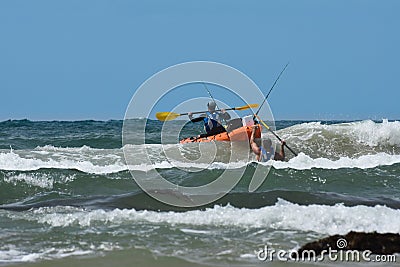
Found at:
<point>262,122</point>
<point>209,93</point>
<point>270,90</point>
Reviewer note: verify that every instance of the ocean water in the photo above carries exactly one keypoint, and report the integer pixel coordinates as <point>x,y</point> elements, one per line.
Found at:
<point>67,196</point>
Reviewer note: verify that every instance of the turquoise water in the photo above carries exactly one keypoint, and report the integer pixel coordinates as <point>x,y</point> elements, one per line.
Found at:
<point>67,196</point>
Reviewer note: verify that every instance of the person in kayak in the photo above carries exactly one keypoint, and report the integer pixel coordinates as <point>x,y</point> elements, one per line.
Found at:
<point>212,120</point>
<point>265,151</point>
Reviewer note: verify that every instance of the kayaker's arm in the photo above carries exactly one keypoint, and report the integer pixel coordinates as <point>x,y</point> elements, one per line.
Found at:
<point>197,119</point>
<point>225,115</point>
<point>256,149</point>
<point>200,118</point>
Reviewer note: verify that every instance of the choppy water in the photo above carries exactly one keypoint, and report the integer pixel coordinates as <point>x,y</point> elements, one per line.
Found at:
<point>66,193</point>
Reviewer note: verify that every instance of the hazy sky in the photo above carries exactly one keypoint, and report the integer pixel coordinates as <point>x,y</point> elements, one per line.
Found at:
<point>78,59</point>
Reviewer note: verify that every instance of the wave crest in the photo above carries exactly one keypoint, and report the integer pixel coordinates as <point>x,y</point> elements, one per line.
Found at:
<point>284,215</point>
<point>14,162</point>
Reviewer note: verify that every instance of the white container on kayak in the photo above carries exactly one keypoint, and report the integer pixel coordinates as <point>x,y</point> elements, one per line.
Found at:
<point>248,120</point>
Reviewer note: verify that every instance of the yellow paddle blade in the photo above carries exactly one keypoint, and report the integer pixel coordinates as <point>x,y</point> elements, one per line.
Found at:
<point>167,116</point>
<point>247,106</point>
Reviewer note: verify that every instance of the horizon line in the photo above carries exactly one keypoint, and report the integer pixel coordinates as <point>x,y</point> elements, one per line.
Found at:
<point>141,118</point>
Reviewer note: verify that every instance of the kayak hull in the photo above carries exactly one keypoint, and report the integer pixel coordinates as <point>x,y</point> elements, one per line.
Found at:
<point>240,134</point>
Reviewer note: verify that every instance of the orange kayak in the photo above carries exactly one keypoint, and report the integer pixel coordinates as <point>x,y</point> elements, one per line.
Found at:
<point>240,134</point>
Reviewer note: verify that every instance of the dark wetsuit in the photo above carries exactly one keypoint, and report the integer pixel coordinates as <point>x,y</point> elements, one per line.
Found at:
<point>212,122</point>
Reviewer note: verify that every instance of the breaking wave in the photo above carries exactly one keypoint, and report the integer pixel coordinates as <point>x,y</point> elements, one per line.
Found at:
<point>284,215</point>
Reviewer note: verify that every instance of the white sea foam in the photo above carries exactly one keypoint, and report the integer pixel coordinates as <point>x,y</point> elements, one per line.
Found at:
<point>304,162</point>
<point>9,253</point>
<point>366,132</point>
<point>194,231</point>
<point>13,255</point>
<point>43,181</point>
<point>323,219</point>
<point>373,134</point>
<point>66,149</point>
<point>12,161</point>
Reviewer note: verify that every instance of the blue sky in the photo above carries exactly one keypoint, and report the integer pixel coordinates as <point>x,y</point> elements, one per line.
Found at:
<point>68,60</point>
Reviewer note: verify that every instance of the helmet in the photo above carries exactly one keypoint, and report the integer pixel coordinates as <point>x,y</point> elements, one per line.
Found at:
<point>211,105</point>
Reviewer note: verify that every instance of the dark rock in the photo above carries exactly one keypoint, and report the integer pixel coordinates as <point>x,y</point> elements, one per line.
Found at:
<point>382,244</point>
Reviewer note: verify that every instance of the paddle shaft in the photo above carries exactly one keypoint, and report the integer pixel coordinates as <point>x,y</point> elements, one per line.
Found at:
<point>198,112</point>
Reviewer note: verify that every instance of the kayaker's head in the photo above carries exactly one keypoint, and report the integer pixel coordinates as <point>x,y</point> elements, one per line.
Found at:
<point>211,106</point>
<point>267,143</point>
